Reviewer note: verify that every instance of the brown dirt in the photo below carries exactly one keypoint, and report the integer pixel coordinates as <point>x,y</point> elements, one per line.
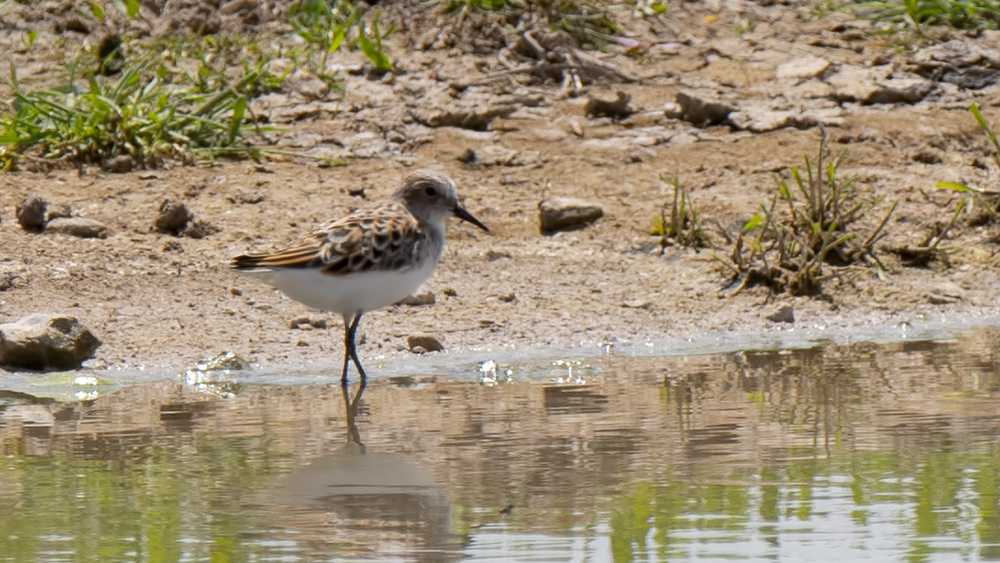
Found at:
<point>160,300</point>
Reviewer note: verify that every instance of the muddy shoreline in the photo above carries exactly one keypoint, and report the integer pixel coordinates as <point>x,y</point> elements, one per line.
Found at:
<point>167,302</point>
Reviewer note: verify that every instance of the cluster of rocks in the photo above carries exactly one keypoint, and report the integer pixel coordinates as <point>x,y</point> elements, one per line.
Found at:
<point>35,215</point>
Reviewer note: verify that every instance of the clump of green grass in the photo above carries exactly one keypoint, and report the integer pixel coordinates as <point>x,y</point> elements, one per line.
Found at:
<point>916,14</point>
<point>679,222</point>
<point>327,24</point>
<point>179,97</point>
<point>985,202</point>
<point>150,112</point>
<point>809,233</point>
<point>980,206</point>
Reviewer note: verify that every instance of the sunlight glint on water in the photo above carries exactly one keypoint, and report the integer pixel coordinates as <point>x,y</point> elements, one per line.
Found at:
<point>859,453</point>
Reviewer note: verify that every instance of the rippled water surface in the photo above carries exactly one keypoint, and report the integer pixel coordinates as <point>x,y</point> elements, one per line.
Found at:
<point>837,453</point>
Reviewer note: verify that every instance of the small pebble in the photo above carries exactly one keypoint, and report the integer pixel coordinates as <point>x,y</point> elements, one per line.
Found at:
<point>784,314</point>
<point>420,343</point>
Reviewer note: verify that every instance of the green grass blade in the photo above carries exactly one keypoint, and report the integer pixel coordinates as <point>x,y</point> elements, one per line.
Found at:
<point>239,108</point>
<point>956,187</point>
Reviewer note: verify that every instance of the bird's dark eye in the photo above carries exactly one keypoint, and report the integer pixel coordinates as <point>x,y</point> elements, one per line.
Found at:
<point>431,192</point>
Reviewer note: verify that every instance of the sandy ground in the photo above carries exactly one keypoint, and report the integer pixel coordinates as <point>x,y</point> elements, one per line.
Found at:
<point>162,301</point>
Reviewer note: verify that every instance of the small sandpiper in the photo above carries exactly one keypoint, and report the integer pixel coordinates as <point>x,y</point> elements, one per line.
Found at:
<point>369,259</point>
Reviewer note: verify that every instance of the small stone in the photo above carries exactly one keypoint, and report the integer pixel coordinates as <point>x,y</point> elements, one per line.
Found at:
<point>700,111</point>
<point>418,299</point>
<point>31,213</point>
<point>906,89</point>
<point>496,155</point>
<point>468,157</point>
<point>804,67</point>
<point>509,298</point>
<point>46,341</point>
<point>567,214</point>
<point>420,343</point>
<point>238,7</point>
<point>119,164</point>
<point>784,314</point>
<point>306,323</point>
<point>857,83</point>
<point>173,218</point>
<point>58,211</point>
<point>615,109</point>
<point>945,293</point>
<point>81,227</point>
<point>246,197</point>
<point>638,304</point>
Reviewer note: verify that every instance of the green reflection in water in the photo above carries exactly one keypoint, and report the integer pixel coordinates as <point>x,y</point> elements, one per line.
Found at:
<point>841,451</point>
<point>947,492</point>
<point>154,503</point>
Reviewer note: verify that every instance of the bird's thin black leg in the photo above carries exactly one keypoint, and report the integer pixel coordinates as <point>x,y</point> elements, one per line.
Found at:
<point>352,350</point>
<point>348,342</point>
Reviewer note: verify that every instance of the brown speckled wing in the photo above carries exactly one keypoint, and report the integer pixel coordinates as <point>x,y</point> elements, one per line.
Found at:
<point>378,238</point>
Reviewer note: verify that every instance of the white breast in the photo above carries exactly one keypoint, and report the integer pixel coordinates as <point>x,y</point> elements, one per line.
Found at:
<point>364,291</point>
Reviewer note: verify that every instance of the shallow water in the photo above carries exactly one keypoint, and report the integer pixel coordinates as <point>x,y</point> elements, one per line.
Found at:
<point>833,453</point>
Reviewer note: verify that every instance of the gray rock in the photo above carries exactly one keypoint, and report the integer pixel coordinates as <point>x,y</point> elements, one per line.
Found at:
<point>805,67</point>
<point>173,218</point>
<point>905,89</point>
<point>306,323</point>
<point>496,155</point>
<point>419,299</point>
<point>420,343</point>
<point>238,7</point>
<point>31,213</point>
<point>945,293</point>
<point>78,227</point>
<point>857,84</point>
<point>615,109</point>
<point>784,314</point>
<point>57,211</point>
<point>567,214</point>
<point>120,164</point>
<point>46,341</point>
<point>701,111</point>
<point>878,86</point>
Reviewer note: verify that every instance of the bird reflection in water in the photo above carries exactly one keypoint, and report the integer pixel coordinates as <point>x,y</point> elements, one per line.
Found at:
<point>360,503</point>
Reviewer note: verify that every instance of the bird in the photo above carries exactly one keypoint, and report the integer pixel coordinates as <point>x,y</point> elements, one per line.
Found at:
<point>369,259</point>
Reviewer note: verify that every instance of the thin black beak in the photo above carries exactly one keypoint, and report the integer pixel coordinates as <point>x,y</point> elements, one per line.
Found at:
<point>464,215</point>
